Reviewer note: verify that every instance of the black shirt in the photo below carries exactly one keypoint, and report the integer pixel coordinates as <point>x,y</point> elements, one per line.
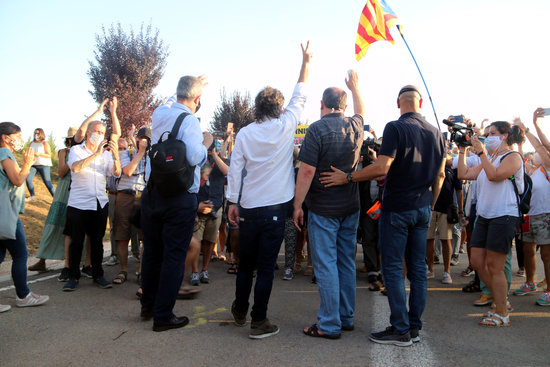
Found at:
<point>417,148</point>
<point>335,141</point>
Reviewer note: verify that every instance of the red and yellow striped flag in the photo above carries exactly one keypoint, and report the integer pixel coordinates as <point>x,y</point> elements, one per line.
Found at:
<point>376,20</point>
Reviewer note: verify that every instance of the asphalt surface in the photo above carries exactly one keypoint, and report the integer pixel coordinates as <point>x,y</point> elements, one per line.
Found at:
<point>96,327</point>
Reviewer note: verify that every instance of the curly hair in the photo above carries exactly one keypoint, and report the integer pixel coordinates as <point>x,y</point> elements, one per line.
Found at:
<point>515,133</point>
<point>268,104</point>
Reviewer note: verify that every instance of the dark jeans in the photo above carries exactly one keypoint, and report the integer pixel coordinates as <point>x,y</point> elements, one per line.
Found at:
<point>44,172</point>
<point>261,234</point>
<point>89,223</point>
<point>368,230</point>
<point>18,252</point>
<point>403,236</point>
<point>167,225</point>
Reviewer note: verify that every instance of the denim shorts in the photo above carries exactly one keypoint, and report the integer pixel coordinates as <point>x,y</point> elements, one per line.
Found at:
<point>494,234</point>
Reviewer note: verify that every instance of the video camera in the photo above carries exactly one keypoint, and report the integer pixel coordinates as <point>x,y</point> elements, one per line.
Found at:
<point>461,133</point>
<point>369,143</point>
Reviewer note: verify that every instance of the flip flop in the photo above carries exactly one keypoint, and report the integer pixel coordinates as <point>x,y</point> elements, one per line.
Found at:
<point>313,331</point>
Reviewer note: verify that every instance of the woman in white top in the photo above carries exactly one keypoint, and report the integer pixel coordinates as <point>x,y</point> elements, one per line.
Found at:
<point>539,215</point>
<point>42,162</point>
<point>497,210</point>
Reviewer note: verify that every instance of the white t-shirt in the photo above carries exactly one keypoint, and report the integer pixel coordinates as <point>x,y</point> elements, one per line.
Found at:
<point>540,199</point>
<point>497,199</point>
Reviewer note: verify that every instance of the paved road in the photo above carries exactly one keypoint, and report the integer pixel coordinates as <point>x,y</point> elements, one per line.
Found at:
<point>95,327</point>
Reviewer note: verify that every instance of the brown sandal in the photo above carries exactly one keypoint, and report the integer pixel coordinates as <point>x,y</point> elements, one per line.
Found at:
<point>120,278</point>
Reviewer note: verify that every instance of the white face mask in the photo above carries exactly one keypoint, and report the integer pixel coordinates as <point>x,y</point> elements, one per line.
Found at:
<point>96,138</point>
<point>37,137</point>
<point>537,160</point>
<point>493,143</point>
<point>17,144</point>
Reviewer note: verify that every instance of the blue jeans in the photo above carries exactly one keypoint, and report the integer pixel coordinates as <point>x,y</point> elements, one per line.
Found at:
<point>403,236</point>
<point>44,172</point>
<point>332,243</point>
<point>167,225</point>
<point>261,232</point>
<point>18,252</point>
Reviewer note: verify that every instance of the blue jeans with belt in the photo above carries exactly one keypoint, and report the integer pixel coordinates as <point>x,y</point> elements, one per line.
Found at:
<point>18,252</point>
<point>261,232</point>
<point>403,236</point>
<point>333,243</point>
<point>44,172</point>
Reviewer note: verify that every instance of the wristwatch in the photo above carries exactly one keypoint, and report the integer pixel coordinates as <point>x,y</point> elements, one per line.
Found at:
<point>349,178</point>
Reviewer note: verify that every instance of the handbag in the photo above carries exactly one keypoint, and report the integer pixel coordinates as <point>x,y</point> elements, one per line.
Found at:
<point>452,214</point>
<point>9,214</point>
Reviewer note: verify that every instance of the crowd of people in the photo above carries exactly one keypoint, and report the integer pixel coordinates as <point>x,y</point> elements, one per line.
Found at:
<point>409,198</point>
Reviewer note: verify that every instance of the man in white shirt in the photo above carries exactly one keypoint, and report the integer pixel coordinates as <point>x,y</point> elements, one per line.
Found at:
<point>167,222</point>
<point>90,163</point>
<point>264,148</point>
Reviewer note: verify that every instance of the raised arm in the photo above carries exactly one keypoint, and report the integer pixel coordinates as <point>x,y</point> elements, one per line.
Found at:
<point>352,83</point>
<point>306,58</point>
<point>81,133</point>
<point>113,105</point>
<point>539,113</point>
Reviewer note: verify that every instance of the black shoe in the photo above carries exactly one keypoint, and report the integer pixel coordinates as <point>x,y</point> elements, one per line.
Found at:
<point>146,314</point>
<point>173,323</point>
<point>102,283</point>
<point>240,317</point>
<point>415,336</point>
<point>391,336</point>
<point>348,328</point>
<point>87,271</point>
<point>64,276</point>
<point>71,285</point>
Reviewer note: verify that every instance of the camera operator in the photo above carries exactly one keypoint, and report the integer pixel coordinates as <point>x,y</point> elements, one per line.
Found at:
<point>370,192</point>
<point>497,209</point>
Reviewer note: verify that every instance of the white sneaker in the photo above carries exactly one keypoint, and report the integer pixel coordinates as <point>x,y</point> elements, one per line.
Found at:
<point>4,308</point>
<point>430,274</point>
<point>111,261</point>
<point>32,299</point>
<point>447,278</point>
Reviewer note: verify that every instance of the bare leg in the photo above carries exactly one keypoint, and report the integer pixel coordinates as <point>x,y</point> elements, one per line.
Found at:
<point>430,251</point>
<point>447,252</point>
<point>207,249</point>
<point>530,261</point>
<point>545,255</point>
<point>498,284</point>
<point>193,252</point>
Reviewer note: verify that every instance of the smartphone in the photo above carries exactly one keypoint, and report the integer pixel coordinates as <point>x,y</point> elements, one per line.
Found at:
<point>366,128</point>
<point>546,112</point>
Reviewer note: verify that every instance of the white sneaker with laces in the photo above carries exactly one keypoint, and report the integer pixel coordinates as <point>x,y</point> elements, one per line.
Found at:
<point>31,300</point>
<point>4,308</point>
<point>447,278</point>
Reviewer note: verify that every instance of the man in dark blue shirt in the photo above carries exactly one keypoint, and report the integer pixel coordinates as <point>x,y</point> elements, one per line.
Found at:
<point>412,157</point>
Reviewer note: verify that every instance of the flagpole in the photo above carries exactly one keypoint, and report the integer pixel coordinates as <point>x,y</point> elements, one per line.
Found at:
<point>423,81</point>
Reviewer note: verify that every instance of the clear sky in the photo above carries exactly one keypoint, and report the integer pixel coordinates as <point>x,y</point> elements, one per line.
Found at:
<point>483,58</point>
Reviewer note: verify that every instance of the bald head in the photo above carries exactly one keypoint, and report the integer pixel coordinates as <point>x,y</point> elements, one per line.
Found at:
<point>409,99</point>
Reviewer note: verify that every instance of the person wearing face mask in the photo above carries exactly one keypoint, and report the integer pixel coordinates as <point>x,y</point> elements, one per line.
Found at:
<point>42,163</point>
<point>539,219</point>
<point>12,178</point>
<point>497,210</point>
<point>90,163</point>
<point>167,222</point>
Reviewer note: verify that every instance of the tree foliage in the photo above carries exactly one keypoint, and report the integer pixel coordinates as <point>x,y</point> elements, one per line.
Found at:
<point>128,66</point>
<point>236,108</point>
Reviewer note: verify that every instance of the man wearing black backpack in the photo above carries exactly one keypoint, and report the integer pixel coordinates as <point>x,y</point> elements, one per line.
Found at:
<point>167,210</point>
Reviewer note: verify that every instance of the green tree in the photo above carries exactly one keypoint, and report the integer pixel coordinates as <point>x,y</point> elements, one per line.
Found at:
<point>236,108</point>
<point>128,66</point>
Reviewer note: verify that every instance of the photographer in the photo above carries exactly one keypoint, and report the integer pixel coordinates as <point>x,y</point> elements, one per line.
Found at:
<point>497,209</point>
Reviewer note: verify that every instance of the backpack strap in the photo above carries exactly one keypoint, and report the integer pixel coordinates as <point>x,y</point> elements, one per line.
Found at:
<point>513,179</point>
<point>177,125</point>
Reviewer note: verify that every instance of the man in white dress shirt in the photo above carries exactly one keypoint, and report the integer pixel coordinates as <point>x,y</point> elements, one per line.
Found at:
<point>90,163</point>
<point>264,148</point>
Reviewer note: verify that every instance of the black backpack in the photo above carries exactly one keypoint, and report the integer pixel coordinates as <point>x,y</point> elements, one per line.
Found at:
<point>523,199</point>
<point>171,174</point>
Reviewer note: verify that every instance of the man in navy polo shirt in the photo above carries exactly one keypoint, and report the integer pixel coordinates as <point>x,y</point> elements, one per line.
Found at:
<point>412,157</point>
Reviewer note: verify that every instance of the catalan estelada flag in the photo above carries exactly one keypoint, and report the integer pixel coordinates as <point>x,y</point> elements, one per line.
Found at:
<point>376,20</point>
